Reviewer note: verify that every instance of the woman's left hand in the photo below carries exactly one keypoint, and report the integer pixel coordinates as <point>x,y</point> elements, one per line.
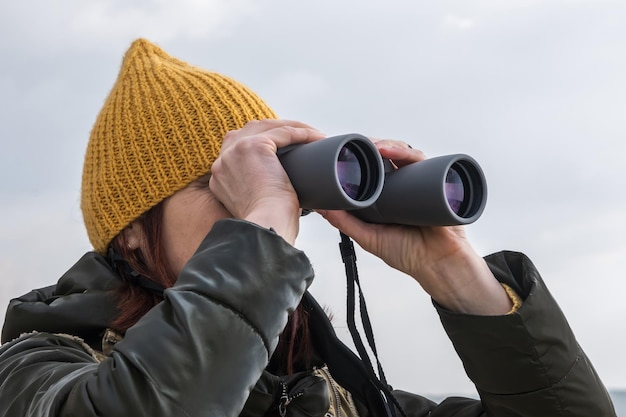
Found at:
<point>440,259</point>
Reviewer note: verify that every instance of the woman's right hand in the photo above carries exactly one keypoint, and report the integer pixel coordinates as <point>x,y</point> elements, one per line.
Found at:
<point>249,180</point>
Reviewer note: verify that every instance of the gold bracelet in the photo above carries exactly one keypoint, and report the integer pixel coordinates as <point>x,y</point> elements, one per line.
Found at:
<point>517,301</point>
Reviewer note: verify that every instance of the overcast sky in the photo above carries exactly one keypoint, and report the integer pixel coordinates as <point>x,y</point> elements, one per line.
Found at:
<point>534,90</point>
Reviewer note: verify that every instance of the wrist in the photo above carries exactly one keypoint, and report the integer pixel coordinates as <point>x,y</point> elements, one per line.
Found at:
<point>467,285</point>
<point>283,223</point>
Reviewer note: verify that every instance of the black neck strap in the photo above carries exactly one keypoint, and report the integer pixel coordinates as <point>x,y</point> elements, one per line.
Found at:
<point>122,267</point>
<point>352,277</point>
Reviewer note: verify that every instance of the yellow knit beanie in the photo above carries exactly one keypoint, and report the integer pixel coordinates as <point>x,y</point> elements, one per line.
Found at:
<point>160,128</point>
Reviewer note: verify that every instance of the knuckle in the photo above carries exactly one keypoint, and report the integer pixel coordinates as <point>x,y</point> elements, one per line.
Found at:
<point>252,123</point>
<point>231,135</point>
<point>216,168</point>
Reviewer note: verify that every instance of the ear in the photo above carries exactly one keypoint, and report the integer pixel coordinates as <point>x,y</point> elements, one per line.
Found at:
<point>133,234</point>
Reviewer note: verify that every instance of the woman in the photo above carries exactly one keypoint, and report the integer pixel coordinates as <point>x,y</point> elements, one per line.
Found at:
<point>194,302</point>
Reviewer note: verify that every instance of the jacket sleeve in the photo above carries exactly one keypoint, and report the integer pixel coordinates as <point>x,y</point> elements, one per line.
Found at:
<point>527,363</point>
<point>197,353</point>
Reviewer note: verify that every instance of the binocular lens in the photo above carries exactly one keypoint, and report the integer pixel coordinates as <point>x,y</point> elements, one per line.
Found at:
<point>339,173</point>
<point>349,173</point>
<point>455,191</point>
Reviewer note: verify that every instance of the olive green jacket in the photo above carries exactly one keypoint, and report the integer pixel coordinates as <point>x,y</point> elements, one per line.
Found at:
<point>203,350</point>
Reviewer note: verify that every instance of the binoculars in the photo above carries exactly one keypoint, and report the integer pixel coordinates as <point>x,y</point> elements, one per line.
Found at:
<point>347,173</point>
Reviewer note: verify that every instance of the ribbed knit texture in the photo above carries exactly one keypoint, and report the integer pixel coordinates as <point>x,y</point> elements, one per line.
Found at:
<point>160,128</point>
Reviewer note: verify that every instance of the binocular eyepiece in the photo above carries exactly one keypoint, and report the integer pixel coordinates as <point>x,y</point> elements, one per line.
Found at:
<point>347,173</point>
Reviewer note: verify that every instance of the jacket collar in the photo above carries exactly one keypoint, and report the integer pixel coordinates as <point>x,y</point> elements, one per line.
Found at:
<point>80,304</point>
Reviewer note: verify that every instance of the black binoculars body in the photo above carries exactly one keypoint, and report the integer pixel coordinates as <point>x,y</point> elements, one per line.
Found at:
<point>347,173</point>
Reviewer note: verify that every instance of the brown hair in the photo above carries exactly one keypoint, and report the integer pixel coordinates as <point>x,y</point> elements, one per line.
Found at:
<point>135,301</point>
<point>294,347</point>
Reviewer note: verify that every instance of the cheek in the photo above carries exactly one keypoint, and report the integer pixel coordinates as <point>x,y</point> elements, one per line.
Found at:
<point>181,240</point>
<point>185,227</point>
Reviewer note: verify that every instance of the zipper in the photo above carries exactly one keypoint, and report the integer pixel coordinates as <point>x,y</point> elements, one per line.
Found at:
<point>285,399</point>
<point>335,398</point>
